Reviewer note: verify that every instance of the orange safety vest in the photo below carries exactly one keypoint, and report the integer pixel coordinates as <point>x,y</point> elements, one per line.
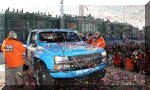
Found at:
<point>129,64</point>
<point>13,50</point>
<point>100,42</point>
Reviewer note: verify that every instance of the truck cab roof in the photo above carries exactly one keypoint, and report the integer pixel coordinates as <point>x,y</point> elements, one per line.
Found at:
<point>54,30</point>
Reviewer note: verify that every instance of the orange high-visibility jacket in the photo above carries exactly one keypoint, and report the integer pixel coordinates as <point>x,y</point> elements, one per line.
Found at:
<point>13,50</point>
<point>129,64</point>
<point>100,42</point>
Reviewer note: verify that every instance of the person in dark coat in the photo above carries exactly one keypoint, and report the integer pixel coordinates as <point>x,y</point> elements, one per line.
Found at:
<point>118,60</point>
<point>115,59</point>
<point>142,63</point>
<point>136,65</point>
<point>122,65</point>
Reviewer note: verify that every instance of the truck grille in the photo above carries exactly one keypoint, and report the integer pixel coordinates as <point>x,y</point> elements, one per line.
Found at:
<point>86,61</point>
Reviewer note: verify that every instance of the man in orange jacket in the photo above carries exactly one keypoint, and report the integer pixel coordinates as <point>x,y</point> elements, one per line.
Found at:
<point>99,41</point>
<point>129,65</point>
<point>13,50</point>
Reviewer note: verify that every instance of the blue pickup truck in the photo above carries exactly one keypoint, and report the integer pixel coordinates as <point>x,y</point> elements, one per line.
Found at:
<point>60,53</point>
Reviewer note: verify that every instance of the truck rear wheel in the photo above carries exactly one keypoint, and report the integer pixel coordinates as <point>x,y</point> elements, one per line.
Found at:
<point>42,75</point>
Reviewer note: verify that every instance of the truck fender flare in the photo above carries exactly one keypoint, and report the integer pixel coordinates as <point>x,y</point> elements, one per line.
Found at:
<point>39,63</point>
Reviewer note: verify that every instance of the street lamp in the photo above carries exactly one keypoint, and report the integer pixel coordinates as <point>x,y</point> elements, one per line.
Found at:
<point>61,15</point>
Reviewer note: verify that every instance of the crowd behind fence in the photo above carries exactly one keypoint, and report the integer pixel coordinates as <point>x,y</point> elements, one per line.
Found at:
<point>128,55</point>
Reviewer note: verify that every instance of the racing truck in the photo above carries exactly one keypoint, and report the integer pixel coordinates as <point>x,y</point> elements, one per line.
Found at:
<point>61,54</point>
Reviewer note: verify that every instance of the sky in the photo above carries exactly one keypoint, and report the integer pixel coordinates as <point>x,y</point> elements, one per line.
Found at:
<point>114,10</point>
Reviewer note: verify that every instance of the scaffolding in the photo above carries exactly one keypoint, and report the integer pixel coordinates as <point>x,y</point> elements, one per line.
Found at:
<point>22,23</point>
<point>2,25</point>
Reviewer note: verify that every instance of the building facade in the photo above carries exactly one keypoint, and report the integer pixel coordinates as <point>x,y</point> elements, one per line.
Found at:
<point>22,23</point>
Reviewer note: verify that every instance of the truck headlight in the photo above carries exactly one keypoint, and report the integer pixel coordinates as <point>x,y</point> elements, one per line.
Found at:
<point>61,63</point>
<point>104,57</point>
<point>104,53</point>
<point>60,59</point>
<point>63,67</point>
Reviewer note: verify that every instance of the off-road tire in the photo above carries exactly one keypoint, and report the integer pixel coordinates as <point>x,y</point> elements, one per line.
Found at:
<point>42,74</point>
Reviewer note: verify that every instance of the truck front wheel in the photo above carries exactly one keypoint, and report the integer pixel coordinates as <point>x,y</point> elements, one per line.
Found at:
<point>42,75</point>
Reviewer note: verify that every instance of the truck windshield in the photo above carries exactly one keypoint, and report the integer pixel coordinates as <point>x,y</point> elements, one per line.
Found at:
<point>53,37</point>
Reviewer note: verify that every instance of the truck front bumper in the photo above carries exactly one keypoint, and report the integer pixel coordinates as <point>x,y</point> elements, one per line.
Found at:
<point>77,73</point>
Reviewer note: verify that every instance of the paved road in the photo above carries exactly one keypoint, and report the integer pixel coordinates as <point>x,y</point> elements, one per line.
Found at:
<point>2,60</point>
<point>113,76</point>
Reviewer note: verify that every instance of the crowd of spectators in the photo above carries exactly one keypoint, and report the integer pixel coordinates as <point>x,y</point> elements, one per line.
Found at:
<point>129,55</point>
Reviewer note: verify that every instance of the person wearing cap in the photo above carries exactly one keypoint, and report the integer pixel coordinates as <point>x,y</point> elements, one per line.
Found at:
<point>13,50</point>
<point>99,41</point>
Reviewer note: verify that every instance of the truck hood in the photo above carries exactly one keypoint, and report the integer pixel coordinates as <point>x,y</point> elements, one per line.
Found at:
<point>71,49</point>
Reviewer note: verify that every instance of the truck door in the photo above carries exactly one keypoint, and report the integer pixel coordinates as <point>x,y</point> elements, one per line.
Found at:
<point>32,46</point>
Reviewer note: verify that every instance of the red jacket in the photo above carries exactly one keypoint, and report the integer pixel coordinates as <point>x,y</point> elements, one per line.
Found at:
<point>116,60</point>
<point>90,41</point>
<point>13,50</point>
